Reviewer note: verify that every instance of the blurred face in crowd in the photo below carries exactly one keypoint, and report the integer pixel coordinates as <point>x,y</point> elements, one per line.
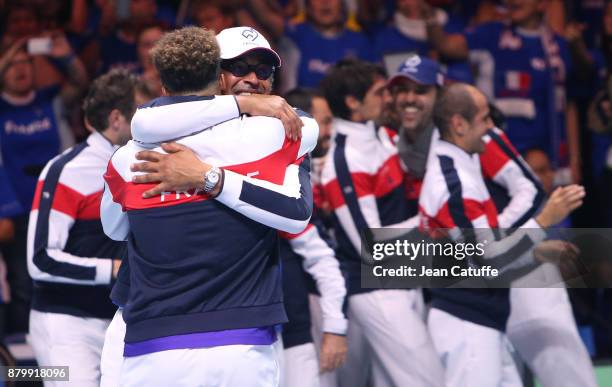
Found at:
<point>481,123</point>
<point>409,8</point>
<point>413,105</point>
<point>325,13</point>
<point>143,10</point>
<point>521,11</point>
<point>18,78</point>
<point>370,108</point>
<point>210,17</point>
<point>607,20</point>
<point>322,114</point>
<point>540,164</point>
<point>22,22</point>
<point>238,76</point>
<point>146,40</point>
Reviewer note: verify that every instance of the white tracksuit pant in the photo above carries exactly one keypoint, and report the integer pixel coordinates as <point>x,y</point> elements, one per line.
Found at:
<point>65,340</point>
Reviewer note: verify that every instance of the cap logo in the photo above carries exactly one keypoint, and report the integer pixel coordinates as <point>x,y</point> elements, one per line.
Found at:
<point>411,64</point>
<point>250,33</point>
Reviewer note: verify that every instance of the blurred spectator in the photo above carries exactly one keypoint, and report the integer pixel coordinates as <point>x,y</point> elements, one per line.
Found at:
<point>146,40</point>
<point>600,125</point>
<point>319,43</point>
<point>540,164</point>
<point>589,71</point>
<point>606,38</point>
<point>32,131</point>
<point>32,122</point>
<point>406,35</point>
<point>213,15</point>
<point>9,207</point>
<point>23,22</point>
<point>588,14</point>
<point>523,68</point>
<point>20,21</point>
<point>118,47</point>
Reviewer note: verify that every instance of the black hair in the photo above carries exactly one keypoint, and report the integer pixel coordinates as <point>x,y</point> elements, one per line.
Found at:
<point>301,98</point>
<point>349,77</point>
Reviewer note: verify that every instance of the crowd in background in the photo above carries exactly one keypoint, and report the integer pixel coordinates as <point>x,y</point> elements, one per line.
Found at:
<point>43,87</point>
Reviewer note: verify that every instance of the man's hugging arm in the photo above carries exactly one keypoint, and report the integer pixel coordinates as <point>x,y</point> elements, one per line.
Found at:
<point>170,118</point>
<point>286,207</point>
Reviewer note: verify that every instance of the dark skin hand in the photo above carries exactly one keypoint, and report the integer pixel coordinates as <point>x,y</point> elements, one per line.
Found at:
<point>178,170</point>
<point>272,106</point>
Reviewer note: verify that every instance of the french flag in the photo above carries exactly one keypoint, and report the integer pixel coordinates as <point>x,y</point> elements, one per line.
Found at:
<point>518,81</point>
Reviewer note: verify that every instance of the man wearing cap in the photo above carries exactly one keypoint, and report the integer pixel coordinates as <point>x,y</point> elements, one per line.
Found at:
<point>413,90</point>
<point>364,183</point>
<point>247,66</point>
<point>204,282</point>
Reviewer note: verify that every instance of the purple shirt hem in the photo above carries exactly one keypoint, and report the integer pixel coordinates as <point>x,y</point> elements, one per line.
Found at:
<point>248,336</point>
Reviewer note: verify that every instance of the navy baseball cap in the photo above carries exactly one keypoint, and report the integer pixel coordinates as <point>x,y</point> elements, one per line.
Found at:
<point>421,70</point>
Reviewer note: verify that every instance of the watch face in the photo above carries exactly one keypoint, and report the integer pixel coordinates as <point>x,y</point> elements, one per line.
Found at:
<point>213,177</point>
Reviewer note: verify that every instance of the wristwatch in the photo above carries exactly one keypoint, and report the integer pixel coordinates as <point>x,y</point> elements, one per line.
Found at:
<point>211,179</point>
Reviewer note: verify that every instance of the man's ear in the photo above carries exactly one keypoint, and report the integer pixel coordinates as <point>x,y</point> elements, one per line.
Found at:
<point>88,126</point>
<point>223,82</point>
<point>352,103</point>
<point>164,91</point>
<point>458,125</point>
<point>114,120</point>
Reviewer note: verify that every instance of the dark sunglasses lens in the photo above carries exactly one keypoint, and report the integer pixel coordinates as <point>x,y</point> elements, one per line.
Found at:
<point>264,71</point>
<point>239,69</point>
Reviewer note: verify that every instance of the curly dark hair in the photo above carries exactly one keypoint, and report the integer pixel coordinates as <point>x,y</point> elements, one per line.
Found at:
<point>113,90</point>
<point>187,59</point>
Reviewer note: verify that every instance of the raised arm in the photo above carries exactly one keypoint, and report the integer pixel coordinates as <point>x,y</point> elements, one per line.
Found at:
<point>513,254</point>
<point>453,46</point>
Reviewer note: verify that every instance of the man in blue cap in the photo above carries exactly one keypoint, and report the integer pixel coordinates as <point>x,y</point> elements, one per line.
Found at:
<point>364,183</point>
<point>414,88</point>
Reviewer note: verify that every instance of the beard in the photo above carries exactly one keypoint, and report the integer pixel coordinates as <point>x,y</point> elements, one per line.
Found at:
<point>411,131</point>
<point>322,147</point>
<point>246,88</point>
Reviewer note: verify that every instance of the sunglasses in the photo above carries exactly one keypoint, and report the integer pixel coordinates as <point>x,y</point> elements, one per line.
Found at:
<point>240,68</point>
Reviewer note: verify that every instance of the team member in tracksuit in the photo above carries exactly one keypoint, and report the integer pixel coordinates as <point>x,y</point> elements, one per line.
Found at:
<point>212,272</point>
<point>518,196</point>
<point>317,321</point>
<point>364,183</point>
<point>70,259</point>
<point>462,116</point>
<point>541,325</point>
